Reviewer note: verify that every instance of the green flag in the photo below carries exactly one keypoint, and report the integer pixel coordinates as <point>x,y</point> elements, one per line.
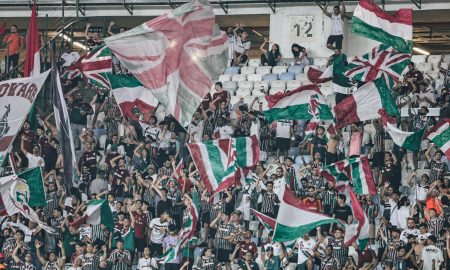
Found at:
<point>33,177</point>
<point>339,67</point>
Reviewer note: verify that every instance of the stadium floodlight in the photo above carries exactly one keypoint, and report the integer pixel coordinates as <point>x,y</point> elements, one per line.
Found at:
<point>421,51</point>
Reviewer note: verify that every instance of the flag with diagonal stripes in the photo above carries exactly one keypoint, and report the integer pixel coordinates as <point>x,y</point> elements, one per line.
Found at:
<point>96,65</point>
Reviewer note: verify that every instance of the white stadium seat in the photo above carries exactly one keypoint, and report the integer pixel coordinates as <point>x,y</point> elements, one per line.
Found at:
<point>279,69</point>
<point>232,70</point>
<point>254,62</point>
<point>418,59</point>
<point>257,85</point>
<point>424,67</point>
<point>230,86</point>
<point>243,92</point>
<point>248,70</point>
<point>434,59</point>
<point>278,85</point>
<point>263,70</point>
<point>257,93</point>
<point>245,85</point>
<point>319,61</point>
<point>292,85</point>
<point>254,77</point>
<point>239,77</point>
<point>296,69</point>
<point>225,77</point>
<point>447,58</point>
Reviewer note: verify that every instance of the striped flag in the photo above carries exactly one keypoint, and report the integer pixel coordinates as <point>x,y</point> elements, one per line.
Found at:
<point>357,170</point>
<point>134,100</point>
<point>365,104</point>
<point>32,57</point>
<point>317,76</point>
<point>294,105</point>
<point>218,161</point>
<point>190,225</point>
<point>177,55</point>
<point>97,65</point>
<point>440,136</point>
<point>63,126</point>
<point>395,30</point>
<point>381,62</point>
<point>294,219</point>
<point>74,71</point>
<point>97,212</point>
<point>266,221</point>
<point>359,230</point>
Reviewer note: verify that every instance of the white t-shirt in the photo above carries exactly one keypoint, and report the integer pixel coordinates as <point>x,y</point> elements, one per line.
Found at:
<point>33,161</point>
<point>225,132</point>
<point>394,212</point>
<point>198,130</point>
<point>421,192</point>
<point>406,232</point>
<point>336,25</point>
<point>241,47</point>
<point>158,230</point>
<point>70,58</point>
<point>430,253</point>
<point>153,132</point>
<point>147,264</point>
<point>305,247</point>
<point>278,186</point>
<point>284,129</point>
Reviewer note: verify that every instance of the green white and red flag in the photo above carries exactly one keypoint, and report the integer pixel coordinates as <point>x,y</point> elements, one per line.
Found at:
<point>32,56</point>
<point>395,30</point>
<point>360,229</point>
<point>440,136</point>
<point>177,56</point>
<point>266,221</point>
<point>97,65</point>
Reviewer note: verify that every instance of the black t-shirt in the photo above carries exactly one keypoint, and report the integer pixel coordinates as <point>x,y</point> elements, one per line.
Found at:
<point>342,212</point>
<point>75,115</point>
<point>89,159</point>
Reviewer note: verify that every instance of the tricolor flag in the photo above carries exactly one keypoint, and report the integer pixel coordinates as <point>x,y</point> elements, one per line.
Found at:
<point>189,226</point>
<point>294,219</point>
<point>134,100</point>
<point>381,62</point>
<point>317,76</point>
<point>96,66</point>
<point>357,170</point>
<point>177,56</point>
<point>440,136</point>
<point>339,67</point>
<point>74,71</point>
<point>266,221</point>
<point>359,230</point>
<point>63,126</point>
<point>295,105</point>
<point>33,178</point>
<point>365,103</point>
<point>97,212</point>
<point>407,140</point>
<point>218,161</point>
<point>372,22</point>
<point>32,57</point>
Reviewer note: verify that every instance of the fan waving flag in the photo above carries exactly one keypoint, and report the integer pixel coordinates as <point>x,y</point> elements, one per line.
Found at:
<point>296,104</point>
<point>177,56</point>
<point>266,221</point>
<point>365,104</point>
<point>294,219</point>
<point>382,61</point>
<point>440,136</point>
<point>372,22</point>
<point>97,65</point>
<point>32,56</point>
<point>134,100</point>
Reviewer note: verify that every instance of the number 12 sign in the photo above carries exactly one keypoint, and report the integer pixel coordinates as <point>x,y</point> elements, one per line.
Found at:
<point>302,28</point>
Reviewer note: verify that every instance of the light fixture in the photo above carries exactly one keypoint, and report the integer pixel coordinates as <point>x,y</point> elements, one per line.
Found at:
<point>75,43</point>
<point>421,51</point>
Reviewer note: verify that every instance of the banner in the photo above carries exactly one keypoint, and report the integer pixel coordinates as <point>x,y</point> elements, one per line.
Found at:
<point>33,178</point>
<point>16,98</point>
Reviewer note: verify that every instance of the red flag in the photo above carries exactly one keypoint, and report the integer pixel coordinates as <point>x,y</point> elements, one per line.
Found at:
<point>3,28</point>
<point>32,57</point>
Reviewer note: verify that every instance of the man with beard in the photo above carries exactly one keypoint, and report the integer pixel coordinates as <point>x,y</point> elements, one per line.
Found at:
<point>410,230</point>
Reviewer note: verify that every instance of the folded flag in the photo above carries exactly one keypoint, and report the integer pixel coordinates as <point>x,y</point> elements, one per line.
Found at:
<point>294,219</point>
<point>359,230</point>
<point>372,22</point>
<point>177,56</point>
<point>357,170</point>
<point>295,105</point>
<point>134,100</point>
<point>97,65</point>
<point>97,212</point>
<point>266,221</point>
<point>33,178</point>
<point>365,103</point>
<point>440,136</point>
<point>317,76</point>
<point>381,62</point>
<point>406,140</point>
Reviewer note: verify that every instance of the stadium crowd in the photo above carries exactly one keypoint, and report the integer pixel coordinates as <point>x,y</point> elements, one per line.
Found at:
<point>136,169</point>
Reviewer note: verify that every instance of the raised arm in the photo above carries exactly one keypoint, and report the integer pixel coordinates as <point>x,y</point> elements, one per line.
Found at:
<point>38,253</point>
<point>110,28</point>
<point>22,145</point>
<point>325,10</point>
<point>261,48</point>
<point>427,153</point>
<point>86,31</point>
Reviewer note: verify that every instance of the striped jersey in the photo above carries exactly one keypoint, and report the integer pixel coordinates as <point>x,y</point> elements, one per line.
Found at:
<point>340,251</point>
<point>436,225</point>
<point>224,230</point>
<point>268,202</point>
<point>90,261</point>
<point>119,259</point>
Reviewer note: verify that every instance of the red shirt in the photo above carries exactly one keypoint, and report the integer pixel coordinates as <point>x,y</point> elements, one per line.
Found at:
<point>247,247</point>
<point>313,204</point>
<point>140,223</point>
